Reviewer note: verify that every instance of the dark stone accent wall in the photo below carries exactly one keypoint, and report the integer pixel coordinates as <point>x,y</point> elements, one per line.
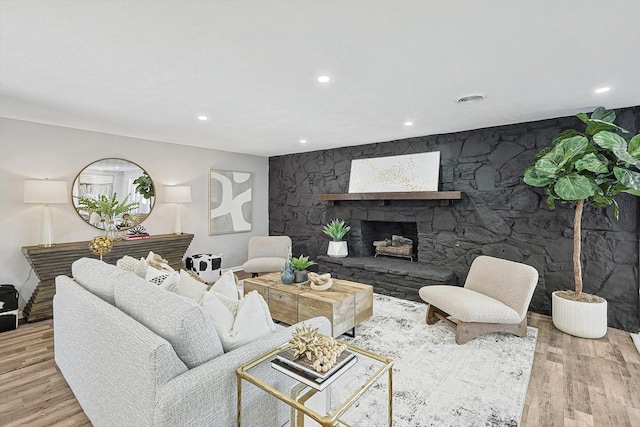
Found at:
<point>499,216</point>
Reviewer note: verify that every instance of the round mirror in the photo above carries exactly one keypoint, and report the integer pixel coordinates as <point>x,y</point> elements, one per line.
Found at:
<point>113,194</point>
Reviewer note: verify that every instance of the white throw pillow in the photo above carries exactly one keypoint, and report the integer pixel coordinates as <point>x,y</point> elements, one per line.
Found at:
<point>226,285</point>
<point>127,263</point>
<point>190,287</point>
<point>141,268</point>
<point>167,280</point>
<point>252,321</point>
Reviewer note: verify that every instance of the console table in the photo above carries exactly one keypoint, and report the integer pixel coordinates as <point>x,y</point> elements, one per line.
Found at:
<point>50,262</point>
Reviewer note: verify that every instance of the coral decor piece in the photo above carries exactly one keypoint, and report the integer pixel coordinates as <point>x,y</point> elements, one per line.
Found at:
<point>320,349</point>
<point>100,245</point>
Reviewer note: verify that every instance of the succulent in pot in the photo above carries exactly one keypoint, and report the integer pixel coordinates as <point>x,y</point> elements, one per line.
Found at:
<point>301,264</point>
<point>337,229</point>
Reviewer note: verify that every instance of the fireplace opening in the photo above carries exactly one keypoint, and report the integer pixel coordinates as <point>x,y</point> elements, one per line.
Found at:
<point>374,231</point>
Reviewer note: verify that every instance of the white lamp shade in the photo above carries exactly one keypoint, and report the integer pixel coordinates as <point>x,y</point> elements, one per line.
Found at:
<point>178,194</point>
<point>45,191</point>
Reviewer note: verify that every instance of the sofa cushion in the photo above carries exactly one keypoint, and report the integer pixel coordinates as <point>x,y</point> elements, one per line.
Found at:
<point>179,320</point>
<point>100,278</point>
<point>190,287</point>
<point>239,322</point>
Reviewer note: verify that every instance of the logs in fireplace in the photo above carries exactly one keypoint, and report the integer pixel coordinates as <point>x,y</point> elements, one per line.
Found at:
<point>397,246</point>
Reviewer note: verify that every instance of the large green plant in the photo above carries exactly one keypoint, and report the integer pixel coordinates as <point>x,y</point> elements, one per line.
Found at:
<point>145,186</point>
<point>105,205</point>
<point>591,167</point>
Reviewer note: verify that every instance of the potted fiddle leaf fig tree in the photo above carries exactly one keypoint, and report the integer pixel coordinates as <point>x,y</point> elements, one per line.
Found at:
<point>586,167</point>
<point>337,229</point>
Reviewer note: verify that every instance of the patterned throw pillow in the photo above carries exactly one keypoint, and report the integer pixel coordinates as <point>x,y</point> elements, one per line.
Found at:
<point>165,279</point>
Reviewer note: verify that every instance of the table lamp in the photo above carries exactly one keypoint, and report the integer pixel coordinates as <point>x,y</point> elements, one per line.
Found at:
<point>45,191</point>
<point>178,194</point>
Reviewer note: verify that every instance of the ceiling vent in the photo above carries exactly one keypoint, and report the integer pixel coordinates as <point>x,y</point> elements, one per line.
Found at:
<point>470,98</point>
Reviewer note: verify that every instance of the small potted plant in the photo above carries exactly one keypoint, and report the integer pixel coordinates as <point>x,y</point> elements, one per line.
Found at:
<point>301,264</point>
<point>589,167</point>
<point>337,229</point>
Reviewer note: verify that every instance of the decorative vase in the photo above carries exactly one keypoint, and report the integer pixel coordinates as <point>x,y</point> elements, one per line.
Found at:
<point>301,276</point>
<point>287,275</point>
<point>110,227</point>
<point>337,249</point>
<point>580,319</point>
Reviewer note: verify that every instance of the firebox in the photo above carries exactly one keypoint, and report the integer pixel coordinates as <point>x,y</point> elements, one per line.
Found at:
<point>373,231</point>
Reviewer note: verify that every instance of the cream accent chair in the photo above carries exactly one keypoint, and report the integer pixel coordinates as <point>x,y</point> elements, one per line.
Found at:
<point>267,254</point>
<point>495,298</point>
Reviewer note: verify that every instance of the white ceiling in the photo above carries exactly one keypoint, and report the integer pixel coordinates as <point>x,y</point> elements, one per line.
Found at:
<point>147,69</point>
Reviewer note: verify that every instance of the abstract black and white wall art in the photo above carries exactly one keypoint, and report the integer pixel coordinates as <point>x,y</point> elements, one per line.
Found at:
<point>230,202</point>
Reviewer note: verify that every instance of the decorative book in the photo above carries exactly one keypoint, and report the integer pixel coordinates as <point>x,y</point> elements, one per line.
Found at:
<point>306,365</point>
<point>312,380</point>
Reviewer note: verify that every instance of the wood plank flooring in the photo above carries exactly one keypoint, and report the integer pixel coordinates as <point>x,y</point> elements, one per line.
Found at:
<point>574,382</point>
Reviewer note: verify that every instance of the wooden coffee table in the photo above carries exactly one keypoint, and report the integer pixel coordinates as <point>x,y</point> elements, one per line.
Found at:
<point>346,304</point>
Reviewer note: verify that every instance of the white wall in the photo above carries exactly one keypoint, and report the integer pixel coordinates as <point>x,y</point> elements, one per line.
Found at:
<point>36,151</point>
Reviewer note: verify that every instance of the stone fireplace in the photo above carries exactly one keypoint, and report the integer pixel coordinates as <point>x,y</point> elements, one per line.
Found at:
<point>499,216</point>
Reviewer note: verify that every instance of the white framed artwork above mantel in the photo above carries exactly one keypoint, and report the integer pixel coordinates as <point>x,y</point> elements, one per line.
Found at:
<point>404,173</point>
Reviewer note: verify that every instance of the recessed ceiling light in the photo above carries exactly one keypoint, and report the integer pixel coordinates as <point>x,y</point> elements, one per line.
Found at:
<point>408,123</point>
<point>203,118</point>
<point>303,141</point>
<point>603,90</point>
<point>324,79</point>
<point>470,98</point>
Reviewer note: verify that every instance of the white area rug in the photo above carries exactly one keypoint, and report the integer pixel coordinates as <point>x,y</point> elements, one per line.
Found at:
<point>435,381</point>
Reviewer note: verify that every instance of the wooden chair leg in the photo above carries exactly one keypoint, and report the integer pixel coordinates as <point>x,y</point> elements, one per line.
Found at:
<point>466,331</point>
<point>434,314</point>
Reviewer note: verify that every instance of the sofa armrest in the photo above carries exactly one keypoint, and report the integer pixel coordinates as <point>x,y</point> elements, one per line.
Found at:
<point>207,395</point>
<point>109,360</point>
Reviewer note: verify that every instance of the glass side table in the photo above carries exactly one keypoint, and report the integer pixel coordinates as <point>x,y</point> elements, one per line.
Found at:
<point>335,400</point>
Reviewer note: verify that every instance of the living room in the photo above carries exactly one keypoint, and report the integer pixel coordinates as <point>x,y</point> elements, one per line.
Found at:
<point>59,113</point>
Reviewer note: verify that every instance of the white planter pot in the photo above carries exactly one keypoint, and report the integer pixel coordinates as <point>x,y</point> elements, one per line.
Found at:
<point>581,319</point>
<point>337,249</point>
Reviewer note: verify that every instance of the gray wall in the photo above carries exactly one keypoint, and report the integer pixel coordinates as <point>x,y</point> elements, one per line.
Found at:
<point>500,215</point>
<point>35,151</point>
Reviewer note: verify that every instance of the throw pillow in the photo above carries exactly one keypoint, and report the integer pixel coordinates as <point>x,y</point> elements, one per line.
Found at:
<point>252,321</point>
<point>141,268</point>
<point>226,285</point>
<point>167,280</point>
<point>127,263</point>
<point>190,287</point>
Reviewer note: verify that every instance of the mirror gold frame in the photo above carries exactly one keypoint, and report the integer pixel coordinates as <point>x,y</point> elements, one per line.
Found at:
<point>104,178</point>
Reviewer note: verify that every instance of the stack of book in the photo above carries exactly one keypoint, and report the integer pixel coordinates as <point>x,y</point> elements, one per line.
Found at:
<point>302,369</point>
<point>136,236</point>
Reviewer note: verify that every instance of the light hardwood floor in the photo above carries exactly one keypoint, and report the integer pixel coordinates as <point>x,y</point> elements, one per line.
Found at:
<point>574,382</point>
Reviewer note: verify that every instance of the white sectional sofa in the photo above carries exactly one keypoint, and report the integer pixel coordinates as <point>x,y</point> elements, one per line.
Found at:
<point>137,355</point>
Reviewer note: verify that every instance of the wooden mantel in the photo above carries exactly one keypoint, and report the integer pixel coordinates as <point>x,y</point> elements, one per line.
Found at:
<point>445,197</point>
<point>50,262</point>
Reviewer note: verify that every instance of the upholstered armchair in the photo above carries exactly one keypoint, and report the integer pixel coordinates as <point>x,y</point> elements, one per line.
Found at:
<point>267,254</point>
<point>495,298</point>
